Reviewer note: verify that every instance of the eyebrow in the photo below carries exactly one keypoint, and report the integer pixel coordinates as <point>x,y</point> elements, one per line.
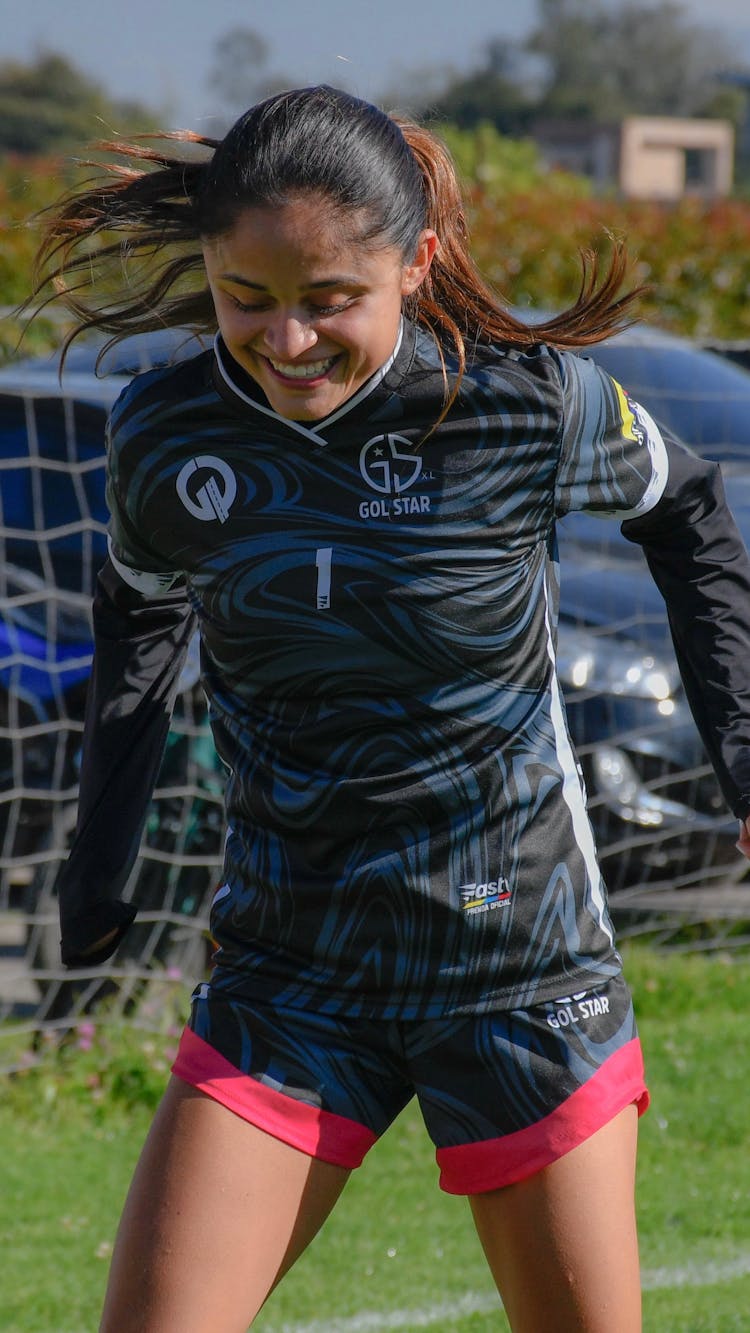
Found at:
<point>340,280</point>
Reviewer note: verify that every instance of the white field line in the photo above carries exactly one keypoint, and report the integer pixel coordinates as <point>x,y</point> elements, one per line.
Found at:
<point>708,1274</point>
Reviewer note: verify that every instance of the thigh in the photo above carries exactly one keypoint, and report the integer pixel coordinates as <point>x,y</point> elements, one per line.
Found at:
<point>562,1244</point>
<point>218,1210</point>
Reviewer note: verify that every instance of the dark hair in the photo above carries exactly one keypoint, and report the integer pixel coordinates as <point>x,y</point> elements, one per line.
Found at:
<point>395,174</point>
<point>317,141</point>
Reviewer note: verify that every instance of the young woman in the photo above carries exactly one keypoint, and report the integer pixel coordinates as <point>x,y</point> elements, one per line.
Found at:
<point>355,494</point>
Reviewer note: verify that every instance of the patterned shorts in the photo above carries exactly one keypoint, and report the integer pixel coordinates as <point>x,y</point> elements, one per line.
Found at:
<point>502,1094</point>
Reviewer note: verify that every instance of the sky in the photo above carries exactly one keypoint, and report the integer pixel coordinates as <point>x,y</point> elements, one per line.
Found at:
<point>161,51</point>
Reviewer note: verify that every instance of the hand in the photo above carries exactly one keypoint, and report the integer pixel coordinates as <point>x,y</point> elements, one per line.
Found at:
<point>103,943</point>
<point>744,840</point>
<point>90,931</point>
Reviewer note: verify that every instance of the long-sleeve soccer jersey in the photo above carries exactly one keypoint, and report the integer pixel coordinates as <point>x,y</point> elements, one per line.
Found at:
<point>377,602</point>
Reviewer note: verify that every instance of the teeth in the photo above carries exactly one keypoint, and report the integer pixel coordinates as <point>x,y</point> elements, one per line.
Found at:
<point>308,371</point>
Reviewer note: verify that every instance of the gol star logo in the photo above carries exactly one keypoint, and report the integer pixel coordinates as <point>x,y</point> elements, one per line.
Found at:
<point>387,467</point>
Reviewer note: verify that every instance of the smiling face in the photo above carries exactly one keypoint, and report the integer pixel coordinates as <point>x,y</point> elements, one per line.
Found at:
<point>304,307</point>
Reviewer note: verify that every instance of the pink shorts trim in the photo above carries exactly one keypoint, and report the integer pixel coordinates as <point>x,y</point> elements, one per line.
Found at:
<point>473,1168</point>
<point>332,1138</point>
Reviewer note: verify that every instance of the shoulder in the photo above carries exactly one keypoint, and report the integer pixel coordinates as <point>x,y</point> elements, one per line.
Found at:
<point>158,394</point>
<point>558,380</point>
<point>528,380</point>
<point>536,365</point>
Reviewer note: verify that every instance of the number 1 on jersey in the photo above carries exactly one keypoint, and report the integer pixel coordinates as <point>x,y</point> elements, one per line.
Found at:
<point>323,561</point>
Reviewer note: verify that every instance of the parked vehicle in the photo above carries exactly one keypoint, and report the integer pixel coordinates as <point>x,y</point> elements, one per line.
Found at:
<point>704,398</point>
<point>657,810</point>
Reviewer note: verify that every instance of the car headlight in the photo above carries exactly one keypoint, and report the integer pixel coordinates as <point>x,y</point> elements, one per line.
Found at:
<point>616,779</point>
<point>604,664</point>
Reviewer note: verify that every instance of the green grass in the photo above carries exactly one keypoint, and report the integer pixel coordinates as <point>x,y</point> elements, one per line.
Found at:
<point>72,1127</point>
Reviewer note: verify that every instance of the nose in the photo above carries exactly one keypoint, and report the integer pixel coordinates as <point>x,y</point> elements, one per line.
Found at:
<point>287,335</point>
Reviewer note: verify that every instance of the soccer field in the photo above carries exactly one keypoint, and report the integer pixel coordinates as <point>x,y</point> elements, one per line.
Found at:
<point>396,1254</point>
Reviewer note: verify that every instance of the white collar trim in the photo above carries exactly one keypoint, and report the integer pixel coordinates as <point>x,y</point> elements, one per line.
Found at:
<point>299,426</point>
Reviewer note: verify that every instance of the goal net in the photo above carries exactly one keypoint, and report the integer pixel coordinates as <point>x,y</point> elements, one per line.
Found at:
<point>52,543</point>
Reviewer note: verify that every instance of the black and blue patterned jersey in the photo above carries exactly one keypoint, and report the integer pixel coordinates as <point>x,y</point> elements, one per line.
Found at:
<point>377,603</point>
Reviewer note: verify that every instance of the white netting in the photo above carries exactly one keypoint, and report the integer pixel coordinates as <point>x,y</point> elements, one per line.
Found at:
<point>666,841</point>
<point>52,541</point>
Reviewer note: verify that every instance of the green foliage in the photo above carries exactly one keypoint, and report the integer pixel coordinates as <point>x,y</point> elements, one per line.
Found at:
<point>102,1063</point>
<point>498,165</point>
<point>528,226</point>
<point>50,106</point>
<point>693,255</point>
<point>27,187</point>
<point>634,57</point>
<point>597,63</point>
<point>496,92</point>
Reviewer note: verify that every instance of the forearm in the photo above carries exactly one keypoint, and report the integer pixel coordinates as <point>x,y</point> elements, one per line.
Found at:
<point>139,649</point>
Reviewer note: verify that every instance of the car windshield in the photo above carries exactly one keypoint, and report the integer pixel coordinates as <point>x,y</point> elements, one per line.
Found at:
<point>141,351</point>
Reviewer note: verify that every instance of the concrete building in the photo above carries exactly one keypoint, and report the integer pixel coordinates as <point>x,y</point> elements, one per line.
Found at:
<point>645,157</point>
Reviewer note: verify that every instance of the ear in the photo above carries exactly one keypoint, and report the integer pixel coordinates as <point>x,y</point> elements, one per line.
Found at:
<point>415,273</point>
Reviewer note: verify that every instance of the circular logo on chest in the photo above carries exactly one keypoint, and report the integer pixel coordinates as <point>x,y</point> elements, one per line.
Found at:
<point>207,487</point>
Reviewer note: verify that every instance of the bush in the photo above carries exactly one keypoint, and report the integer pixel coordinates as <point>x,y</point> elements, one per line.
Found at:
<point>694,256</point>
<point>103,1063</point>
<point>27,187</point>
<point>528,226</point>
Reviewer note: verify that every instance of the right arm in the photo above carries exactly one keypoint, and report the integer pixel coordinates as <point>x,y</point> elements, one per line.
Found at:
<point>140,644</point>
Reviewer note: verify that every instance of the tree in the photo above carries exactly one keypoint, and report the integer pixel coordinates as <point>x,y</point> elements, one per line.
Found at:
<point>496,91</point>
<point>493,165</point>
<point>602,62</point>
<point>597,60</point>
<point>239,72</point>
<point>49,106</point>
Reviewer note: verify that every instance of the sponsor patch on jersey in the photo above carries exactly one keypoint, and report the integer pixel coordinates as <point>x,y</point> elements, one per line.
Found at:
<point>399,507</point>
<point>572,1010</point>
<point>390,467</point>
<point>484,897</point>
<point>631,427</point>
<point>638,426</point>
<point>207,487</point>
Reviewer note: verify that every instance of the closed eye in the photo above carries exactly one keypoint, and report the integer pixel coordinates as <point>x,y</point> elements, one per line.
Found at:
<point>329,309</point>
<point>244,306</point>
<point>251,308</point>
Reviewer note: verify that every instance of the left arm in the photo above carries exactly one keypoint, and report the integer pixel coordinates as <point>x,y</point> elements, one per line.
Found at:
<point>615,460</point>
<point>699,563</point>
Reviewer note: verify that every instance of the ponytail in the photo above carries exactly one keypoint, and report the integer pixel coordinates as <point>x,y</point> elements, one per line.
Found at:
<point>454,297</point>
<point>122,253</point>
